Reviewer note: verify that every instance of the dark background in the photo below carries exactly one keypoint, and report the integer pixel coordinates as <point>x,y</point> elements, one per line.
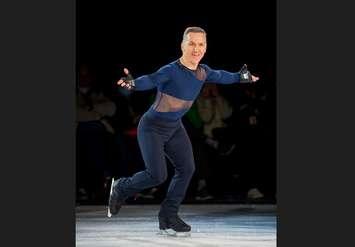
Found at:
<point>113,34</point>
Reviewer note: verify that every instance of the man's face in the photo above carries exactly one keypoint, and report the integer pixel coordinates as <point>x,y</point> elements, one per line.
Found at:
<point>194,47</point>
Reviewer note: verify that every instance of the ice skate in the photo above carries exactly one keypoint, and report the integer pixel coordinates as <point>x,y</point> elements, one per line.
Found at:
<point>173,226</point>
<point>115,200</point>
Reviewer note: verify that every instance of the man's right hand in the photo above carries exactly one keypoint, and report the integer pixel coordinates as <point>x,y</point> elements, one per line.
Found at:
<point>127,81</point>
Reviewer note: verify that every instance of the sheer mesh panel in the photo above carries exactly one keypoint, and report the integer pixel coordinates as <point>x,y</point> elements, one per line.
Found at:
<point>166,103</point>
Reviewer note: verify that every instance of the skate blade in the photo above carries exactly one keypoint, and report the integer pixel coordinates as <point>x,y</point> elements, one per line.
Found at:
<point>108,207</point>
<point>172,233</point>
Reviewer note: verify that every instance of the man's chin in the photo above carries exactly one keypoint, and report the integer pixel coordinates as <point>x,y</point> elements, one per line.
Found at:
<point>196,60</point>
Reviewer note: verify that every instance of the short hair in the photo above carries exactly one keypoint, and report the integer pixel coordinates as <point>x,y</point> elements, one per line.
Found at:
<point>192,30</point>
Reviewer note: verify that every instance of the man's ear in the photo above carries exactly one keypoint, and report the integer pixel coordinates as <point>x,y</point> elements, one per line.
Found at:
<point>183,43</point>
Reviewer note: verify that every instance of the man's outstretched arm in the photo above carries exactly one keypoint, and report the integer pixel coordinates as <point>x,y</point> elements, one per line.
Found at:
<point>225,77</point>
<point>144,82</point>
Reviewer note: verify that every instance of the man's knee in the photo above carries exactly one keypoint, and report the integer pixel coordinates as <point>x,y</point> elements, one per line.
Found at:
<point>158,179</point>
<point>187,170</point>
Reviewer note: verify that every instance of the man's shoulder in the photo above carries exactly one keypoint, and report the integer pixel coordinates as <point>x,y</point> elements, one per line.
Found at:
<point>204,66</point>
<point>169,66</point>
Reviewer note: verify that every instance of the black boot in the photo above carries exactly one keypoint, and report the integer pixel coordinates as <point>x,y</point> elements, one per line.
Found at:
<point>116,199</point>
<point>173,226</point>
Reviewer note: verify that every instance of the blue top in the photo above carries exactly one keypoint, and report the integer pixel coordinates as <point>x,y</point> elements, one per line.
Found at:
<point>178,86</point>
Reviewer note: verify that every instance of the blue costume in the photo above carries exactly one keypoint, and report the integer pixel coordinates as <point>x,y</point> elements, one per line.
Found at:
<point>161,133</point>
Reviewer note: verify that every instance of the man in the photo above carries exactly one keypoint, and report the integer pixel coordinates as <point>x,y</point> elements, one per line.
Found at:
<point>161,132</point>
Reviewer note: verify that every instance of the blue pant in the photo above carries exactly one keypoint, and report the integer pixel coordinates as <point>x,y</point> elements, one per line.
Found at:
<point>159,138</point>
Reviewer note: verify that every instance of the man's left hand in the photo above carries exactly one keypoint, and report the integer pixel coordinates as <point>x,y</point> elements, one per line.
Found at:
<point>254,78</point>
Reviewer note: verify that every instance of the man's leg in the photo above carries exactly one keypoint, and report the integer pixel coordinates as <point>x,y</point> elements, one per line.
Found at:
<point>151,144</point>
<point>179,151</point>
